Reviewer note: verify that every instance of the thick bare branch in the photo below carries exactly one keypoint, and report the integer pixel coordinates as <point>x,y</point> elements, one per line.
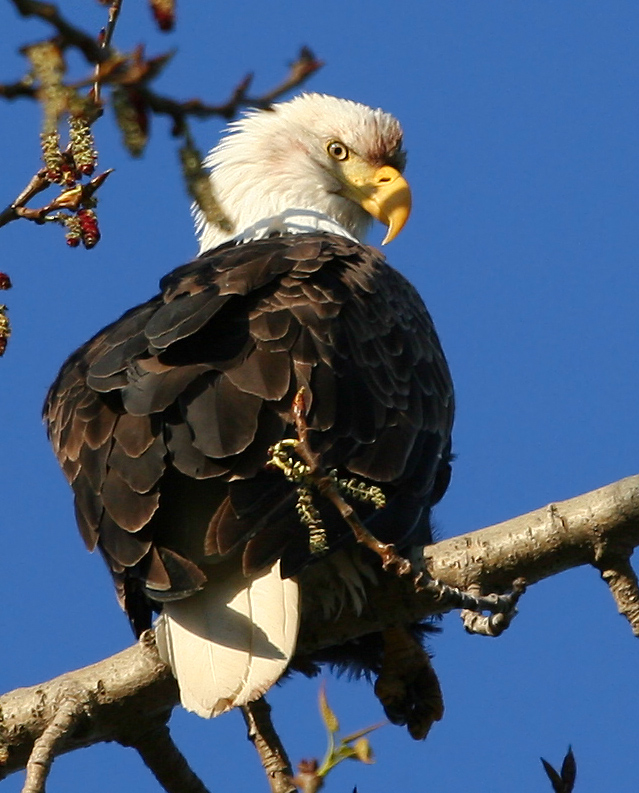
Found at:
<point>135,686</point>
<point>533,546</point>
<point>539,544</point>
<point>121,690</point>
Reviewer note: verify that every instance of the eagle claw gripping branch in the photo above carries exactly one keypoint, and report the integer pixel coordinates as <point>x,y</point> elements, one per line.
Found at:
<point>308,474</point>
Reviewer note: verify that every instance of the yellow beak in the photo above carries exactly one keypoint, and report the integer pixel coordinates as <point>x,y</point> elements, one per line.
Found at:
<point>382,192</point>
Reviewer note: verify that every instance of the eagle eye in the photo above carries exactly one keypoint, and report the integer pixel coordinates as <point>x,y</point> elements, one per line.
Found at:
<point>337,150</point>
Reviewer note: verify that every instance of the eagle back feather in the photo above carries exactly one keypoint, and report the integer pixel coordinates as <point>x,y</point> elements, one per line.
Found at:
<point>163,421</point>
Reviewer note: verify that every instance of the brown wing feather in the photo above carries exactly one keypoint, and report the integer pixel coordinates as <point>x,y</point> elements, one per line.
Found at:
<point>163,421</point>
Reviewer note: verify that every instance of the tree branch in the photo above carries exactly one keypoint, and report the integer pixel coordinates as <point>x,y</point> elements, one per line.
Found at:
<point>622,581</point>
<point>104,41</point>
<point>268,745</point>
<point>165,761</point>
<point>44,747</point>
<point>37,184</point>
<point>135,687</point>
<point>299,71</point>
<point>21,88</point>
<point>72,35</point>
<point>117,692</point>
<point>533,546</point>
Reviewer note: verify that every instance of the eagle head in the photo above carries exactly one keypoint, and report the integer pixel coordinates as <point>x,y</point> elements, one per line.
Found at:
<point>316,163</point>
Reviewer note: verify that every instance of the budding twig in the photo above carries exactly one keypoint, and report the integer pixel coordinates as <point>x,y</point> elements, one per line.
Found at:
<point>309,475</point>
<point>72,199</point>
<point>129,77</point>
<point>105,38</point>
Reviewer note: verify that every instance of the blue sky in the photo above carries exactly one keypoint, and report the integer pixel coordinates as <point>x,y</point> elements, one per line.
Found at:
<point>521,124</point>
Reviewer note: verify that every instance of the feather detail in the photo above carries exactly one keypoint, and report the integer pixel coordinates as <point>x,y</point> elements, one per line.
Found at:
<point>230,642</point>
<point>340,581</point>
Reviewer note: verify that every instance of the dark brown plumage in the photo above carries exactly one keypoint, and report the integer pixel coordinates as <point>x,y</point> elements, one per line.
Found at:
<point>163,421</point>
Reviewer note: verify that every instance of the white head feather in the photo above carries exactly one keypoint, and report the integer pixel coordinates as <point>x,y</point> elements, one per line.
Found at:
<point>272,171</point>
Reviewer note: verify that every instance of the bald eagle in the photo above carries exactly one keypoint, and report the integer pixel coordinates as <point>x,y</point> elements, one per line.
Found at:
<point>164,422</point>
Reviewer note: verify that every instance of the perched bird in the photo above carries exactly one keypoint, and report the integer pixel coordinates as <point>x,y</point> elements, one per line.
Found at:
<point>165,423</point>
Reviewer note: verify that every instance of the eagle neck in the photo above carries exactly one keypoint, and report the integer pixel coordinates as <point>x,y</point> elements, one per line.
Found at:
<point>291,221</point>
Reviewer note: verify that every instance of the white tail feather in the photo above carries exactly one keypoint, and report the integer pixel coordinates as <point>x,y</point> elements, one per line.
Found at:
<point>232,641</point>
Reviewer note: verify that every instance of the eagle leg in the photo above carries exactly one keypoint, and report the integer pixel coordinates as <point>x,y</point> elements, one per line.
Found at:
<point>327,487</point>
<point>407,685</point>
<point>386,551</point>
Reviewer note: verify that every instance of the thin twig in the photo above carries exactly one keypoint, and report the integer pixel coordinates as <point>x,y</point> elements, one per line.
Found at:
<point>165,761</point>
<point>105,43</point>
<point>299,71</point>
<point>37,184</point>
<point>114,13</point>
<point>70,34</point>
<point>44,749</point>
<point>71,199</point>
<point>504,606</point>
<point>21,88</point>
<point>263,736</point>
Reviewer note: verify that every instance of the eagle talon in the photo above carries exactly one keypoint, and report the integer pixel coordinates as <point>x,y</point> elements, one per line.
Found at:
<point>502,610</point>
<point>418,581</point>
<point>391,559</point>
